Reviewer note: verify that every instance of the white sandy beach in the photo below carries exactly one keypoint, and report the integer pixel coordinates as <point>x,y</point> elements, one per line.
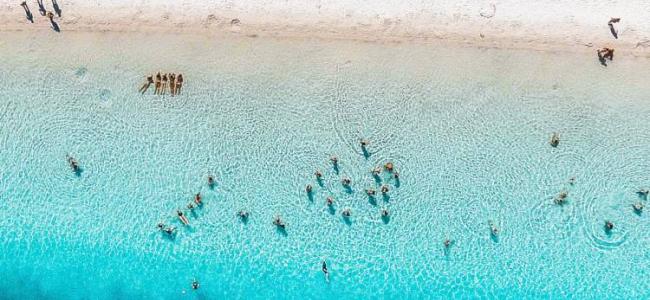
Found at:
<point>541,24</point>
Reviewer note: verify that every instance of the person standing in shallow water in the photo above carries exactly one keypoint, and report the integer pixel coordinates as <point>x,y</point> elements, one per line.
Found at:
<point>326,272</point>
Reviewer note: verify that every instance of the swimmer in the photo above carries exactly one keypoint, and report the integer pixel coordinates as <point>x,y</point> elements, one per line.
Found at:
<point>643,192</point>
<point>170,230</point>
<point>384,189</point>
<point>364,143</point>
<point>161,226</point>
<point>190,206</point>
<point>334,160</point>
<point>197,199</point>
<point>638,207</point>
<point>73,163</point>
<point>370,192</point>
<point>308,189</point>
<point>385,213</point>
<point>195,284</point>
<point>243,214</point>
<point>447,243</point>
<point>561,198</point>
<point>376,171</point>
<point>609,226</point>
<point>318,175</point>
<point>326,272</point>
<point>210,181</point>
<point>329,201</point>
<point>179,83</point>
<point>396,175</point>
<point>346,181</point>
<point>572,180</point>
<point>555,139</point>
<point>146,85</point>
<point>182,217</point>
<point>278,222</point>
<point>346,213</point>
<point>389,166</point>
<point>494,230</point>
<point>157,84</point>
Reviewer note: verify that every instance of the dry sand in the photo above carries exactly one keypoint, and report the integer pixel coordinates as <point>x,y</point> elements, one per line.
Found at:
<point>542,24</point>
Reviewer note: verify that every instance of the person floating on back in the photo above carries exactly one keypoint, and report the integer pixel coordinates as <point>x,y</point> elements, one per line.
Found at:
<point>182,217</point>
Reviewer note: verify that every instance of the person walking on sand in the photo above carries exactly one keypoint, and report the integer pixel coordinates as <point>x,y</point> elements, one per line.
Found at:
<point>41,7</point>
<point>158,83</point>
<point>611,26</point>
<point>28,13</point>
<point>146,85</point>
<point>50,16</point>
<point>179,84</point>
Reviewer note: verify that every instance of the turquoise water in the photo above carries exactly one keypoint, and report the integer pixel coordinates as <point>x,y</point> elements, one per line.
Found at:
<point>468,130</point>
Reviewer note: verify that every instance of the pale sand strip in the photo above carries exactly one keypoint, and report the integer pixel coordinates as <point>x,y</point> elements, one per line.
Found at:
<point>542,24</point>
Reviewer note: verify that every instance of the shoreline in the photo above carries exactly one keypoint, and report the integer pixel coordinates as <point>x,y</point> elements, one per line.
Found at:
<point>546,25</point>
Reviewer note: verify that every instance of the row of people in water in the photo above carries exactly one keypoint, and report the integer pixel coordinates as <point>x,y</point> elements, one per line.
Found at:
<point>197,202</point>
<point>638,206</point>
<point>162,82</point>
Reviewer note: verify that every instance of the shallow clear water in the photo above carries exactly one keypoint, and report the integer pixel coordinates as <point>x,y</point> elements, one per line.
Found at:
<point>468,130</point>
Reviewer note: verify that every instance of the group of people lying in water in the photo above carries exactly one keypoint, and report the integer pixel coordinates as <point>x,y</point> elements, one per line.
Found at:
<point>162,82</point>
<point>170,230</point>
